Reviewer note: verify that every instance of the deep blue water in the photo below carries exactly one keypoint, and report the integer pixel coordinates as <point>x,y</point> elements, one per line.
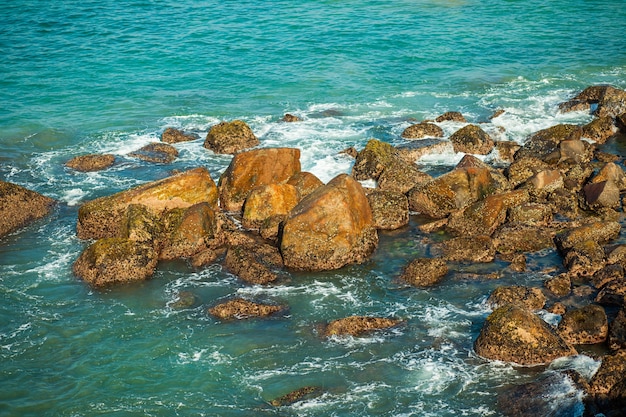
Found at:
<point>110,76</point>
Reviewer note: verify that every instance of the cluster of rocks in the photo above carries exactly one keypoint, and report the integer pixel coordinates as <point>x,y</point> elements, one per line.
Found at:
<point>265,216</point>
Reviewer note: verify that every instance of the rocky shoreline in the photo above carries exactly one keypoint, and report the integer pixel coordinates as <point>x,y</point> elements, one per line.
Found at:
<point>266,217</point>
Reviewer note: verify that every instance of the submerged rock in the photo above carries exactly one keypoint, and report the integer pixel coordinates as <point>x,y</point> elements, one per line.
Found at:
<point>467,249</point>
<point>514,334</point>
<point>290,118</point>
<point>230,137</point>
<point>358,325</point>
<point>301,394</point>
<point>90,163</point>
<point>330,228</point>
<point>240,308</point>
<point>20,206</point>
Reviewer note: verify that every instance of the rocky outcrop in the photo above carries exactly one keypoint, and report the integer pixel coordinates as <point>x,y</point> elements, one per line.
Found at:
<point>514,334</point>
<point>103,216</point>
<point>390,210</point>
<point>156,152</point>
<point>90,163</point>
<point>422,130</point>
<point>472,139</point>
<point>330,228</point>
<point>586,325</point>
<point>358,325</point>
<point>115,261</point>
<point>611,371</point>
<point>545,144</point>
<point>230,137</point>
<point>251,169</point>
<point>424,272</point>
<point>173,135</point>
<point>240,308</point>
<point>520,296</point>
<point>20,206</point>
<point>600,129</point>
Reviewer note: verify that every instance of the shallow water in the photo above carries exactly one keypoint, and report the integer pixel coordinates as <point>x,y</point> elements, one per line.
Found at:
<point>111,76</point>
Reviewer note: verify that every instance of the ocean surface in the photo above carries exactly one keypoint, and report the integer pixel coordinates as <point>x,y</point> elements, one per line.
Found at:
<point>107,76</point>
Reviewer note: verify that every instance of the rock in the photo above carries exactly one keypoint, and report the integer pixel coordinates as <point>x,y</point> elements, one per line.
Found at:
<point>358,325</point>
<point>501,183</point>
<point>531,214</point>
<point>516,238</point>
<point>184,300</point>
<point>373,159</point>
<point>564,203</point>
<point>451,191</point>
<point>601,195</point>
<point>173,135</point>
<point>20,206</point>
<point>514,334</point>
<point>599,129</point>
<point>544,144</point>
<point>613,293</point>
<point>559,286</point>
<point>507,149</point>
<point>600,232</point>
<point>268,201</point>
<point>607,274</point>
<point>584,326</point>
<point>103,216</point>
<point>301,394</point>
<point>90,163</point>
<point>523,169</point>
<point>305,183</point>
<point>254,264</point>
<point>584,99</point>
<point>485,216</point>
<point>230,137</point>
<point>351,152</point>
<point>206,257</point>
<point>612,370</point>
<point>251,169</point>
<point>525,297</point>
<point>330,228</point>
<point>620,122</point>
<point>612,103</point>
<point>190,231</point>
<point>141,225</point>
<point>401,176</point>
<point>116,261</point>
<point>472,139</point>
<point>453,116</point>
<point>611,172</point>
<point>617,255</point>
<point>497,113</point>
<point>240,308</point>
<point>467,249</point>
<point>518,263</point>
<point>557,308</point>
<point>421,130</point>
<point>543,183</point>
<point>390,210</point>
<point>585,258</point>
<point>424,272</point>
<point>617,331</point>
<point>156,152</point>
<point>414,150</point>
<point>290,118</point>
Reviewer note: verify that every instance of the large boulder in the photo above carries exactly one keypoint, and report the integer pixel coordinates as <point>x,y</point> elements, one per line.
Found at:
<point>514,334</point>
<point>230,137</point>
<point>422,130</point>
<point>103,217</point>
<point>617,331</point>
<point>251,169</point>
<point>173,135</point>
<point>451,191</point>
<point>424,272</point>
<point>305,182</point>
<point>600,129</point>
<point>609,101</point>
<point>267,201</point>
<point>358,325</point>
<point>156,152</point>
<point>373,159</point>
<point>472,139</point>
<point>115,261</point>
<point>189,231</point>
<point>611,371</point>
<point>585,325</point>
<point>330,228</point>
<point>524,168</point>
<point>20,206</point>
<point>91,162</point>
<point>600,195</point>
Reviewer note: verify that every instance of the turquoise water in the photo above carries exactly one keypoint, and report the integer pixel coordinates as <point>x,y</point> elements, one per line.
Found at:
<point>110,76</point>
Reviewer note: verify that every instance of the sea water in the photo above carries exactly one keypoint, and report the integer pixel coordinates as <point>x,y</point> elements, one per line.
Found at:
<point>110,76</point>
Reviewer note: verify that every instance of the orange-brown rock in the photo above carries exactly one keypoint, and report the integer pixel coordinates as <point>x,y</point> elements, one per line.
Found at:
<point>116,261</point>
<point>421,130</point>
<point>156,152</point>
<point>20,206</point>
<point>584,326</point>
<point>531,214</point>
<point>611,371</point>
<point>173,135</point>
<point>330,228</point>
<point>189,231</point>
<point>300,394</point>
<point>617,331</point>
<point>267,201</point>
<point>472,139</point>
<point>600,129</point>
<point>514,334</point>
<point>230,137</point>
<point>605,194</point>
<point>290,118</point>
<point>390,210</point>
<point>524,297</point>
<point>103,216</point>
<point>559,286</point>
<point>611,172</point>
<point>414,150</point>
<point>305,182</point>
<point>251,169</point>
<point>358,325</point>
<point>240,308</point>
<point>522,169</point>
<point>451,191</point>
<point>92,162</point>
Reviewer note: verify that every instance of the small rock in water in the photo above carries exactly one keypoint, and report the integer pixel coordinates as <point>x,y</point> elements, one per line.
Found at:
<point>358,325</point>
<point>304,393</point>
<point>156,152</point>
<point>92,162</point>
<point>239,308</point>
<point>184,300</point>
<point>172,135</point>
